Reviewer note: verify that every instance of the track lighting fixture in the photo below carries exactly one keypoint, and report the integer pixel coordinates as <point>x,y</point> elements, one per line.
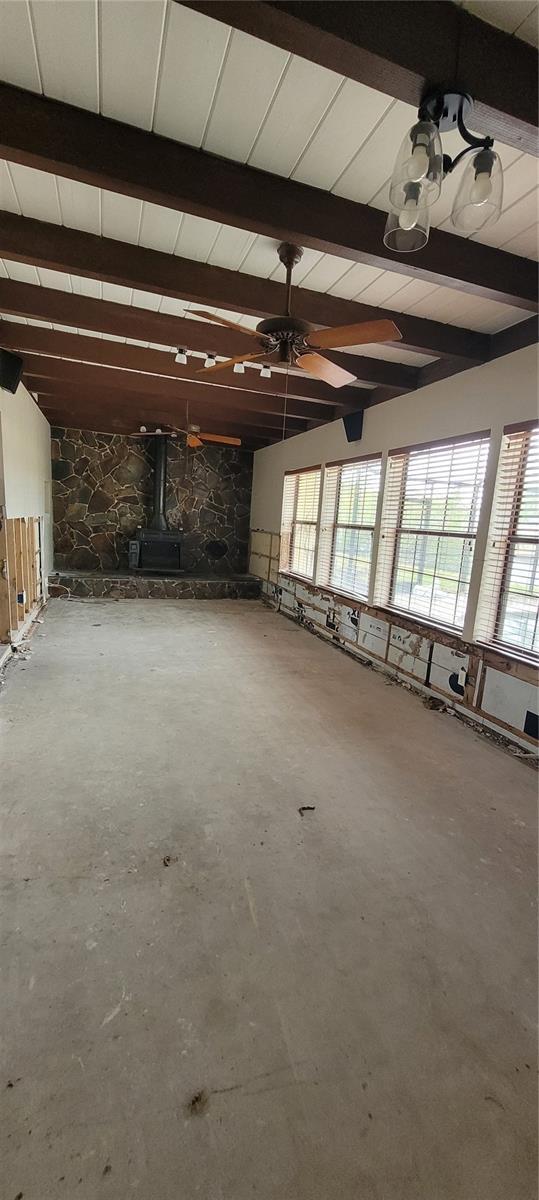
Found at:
<point>210,360</point>
<point>239,368</point>
<point>265,373</point>
<point>421,167</point>
<point>181,357</point>
<point>142,429</point>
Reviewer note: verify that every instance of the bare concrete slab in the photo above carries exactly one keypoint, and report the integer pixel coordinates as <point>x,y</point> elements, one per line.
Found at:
<point>352,990</point>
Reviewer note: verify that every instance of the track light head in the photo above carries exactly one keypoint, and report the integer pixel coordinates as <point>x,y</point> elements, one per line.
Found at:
<point>181,357</point>
<point>210,360</point>
<point>239,368</point>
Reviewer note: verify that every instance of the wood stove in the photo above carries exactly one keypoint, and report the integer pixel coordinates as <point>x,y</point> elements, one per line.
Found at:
<point>157,548</point>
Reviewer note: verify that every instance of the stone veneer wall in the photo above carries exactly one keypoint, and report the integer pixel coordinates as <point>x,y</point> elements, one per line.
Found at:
<point>102,489</point>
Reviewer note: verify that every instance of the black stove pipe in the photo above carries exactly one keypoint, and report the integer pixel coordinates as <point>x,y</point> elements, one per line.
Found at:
<point>159,520</point>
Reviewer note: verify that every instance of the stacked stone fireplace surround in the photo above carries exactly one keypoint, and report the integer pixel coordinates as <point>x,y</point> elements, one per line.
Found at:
<point>102,490</point>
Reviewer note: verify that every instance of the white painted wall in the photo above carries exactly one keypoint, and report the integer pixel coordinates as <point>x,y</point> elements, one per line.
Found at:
<point>486,397</point>
<point>25,464</point>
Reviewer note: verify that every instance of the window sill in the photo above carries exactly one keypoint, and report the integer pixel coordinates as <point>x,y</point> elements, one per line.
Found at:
<point>509,652</point>
<point>454,630</point>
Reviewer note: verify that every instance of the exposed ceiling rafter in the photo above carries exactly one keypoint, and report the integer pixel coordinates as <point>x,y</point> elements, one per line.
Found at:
<point>50,136</point>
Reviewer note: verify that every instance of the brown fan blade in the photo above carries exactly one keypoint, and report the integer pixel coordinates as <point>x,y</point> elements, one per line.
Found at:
<point>223,321</point>
<point>220,438</point>
<point>354,335</point>
<point>322,368</point>
<point>241,358</point>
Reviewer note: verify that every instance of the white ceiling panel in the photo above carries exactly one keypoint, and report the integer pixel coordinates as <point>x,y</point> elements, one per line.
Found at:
<point>230,247</point>
<point>325,273</point>
<point>192,58</point>
<point>86,287</point>
<point>196,238</point>
<point>519,178</point>
<point>349,121</point>
<point>159,228</point>
<point>22,272</point>
<point>445,304</point>
<point>411,294</point>
<point>117,293</point>
<point>54,279</point>
<point>120,217</point>
<point>129,81</point>
<point>529,30</point>
<point>508,15</point>
<point>525,243</point>
<point>513,220</point>
<point>372,166</point>
<point>66,38</point>
<point>37,193</point>
<point>261,258</point>
<point>141,299</point>
<point>302,99</point>
<point>383,288</point>
<point>249,80</point>
<point>355,280</point>
<point>392,354</point>
<point>8,196</point>
<point>79,205</point>
<point>18,62</point>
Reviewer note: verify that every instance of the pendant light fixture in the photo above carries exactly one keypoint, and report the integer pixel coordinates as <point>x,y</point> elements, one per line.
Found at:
<point>421,167</point>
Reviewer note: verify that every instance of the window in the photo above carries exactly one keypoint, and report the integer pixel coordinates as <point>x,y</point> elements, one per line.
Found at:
<point>431,509</point>
<point>348,517</point>
<point>508,610</point>
<point>299,522</point>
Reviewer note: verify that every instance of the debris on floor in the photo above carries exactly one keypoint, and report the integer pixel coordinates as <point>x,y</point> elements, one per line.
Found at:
<point>198,1103</point>
<point>306,808</point>
<point>169,859</point>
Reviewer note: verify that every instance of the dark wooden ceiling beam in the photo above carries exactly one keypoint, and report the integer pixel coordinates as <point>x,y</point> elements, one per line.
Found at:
<point>70,250</point>
<point>124,320</point>
<point>404,49</point>
<point>43,367</point>
<point>78,408</point>
<point>51,136</point>
<point>109,421</point>
<point>516,337</point>
<point>34,339</point>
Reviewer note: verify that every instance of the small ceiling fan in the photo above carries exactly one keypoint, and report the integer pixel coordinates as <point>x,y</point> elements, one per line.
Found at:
<point>193,435</point>
<point>296,342</point>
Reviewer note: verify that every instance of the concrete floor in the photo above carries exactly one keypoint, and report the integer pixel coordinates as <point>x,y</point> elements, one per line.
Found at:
<point>354,988</point>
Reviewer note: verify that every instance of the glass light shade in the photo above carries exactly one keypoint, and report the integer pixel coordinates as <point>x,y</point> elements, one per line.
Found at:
<point>479,199</point>
<point>407,230</point>
<point>420,161</point>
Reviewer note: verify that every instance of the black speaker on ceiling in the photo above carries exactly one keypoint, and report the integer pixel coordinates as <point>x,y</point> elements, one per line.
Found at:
<point>10,370</point>
<point>353,426</point>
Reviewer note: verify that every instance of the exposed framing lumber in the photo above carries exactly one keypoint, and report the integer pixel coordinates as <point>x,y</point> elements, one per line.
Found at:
<point>70,250</point>
<point>398,50</point>
<point>19,567</point>
<point>105,316</point>
<point>5,586</point>
<point>43,133</point>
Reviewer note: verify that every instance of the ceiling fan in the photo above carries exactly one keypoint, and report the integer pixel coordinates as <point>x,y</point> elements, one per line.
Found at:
<point>296,342</point>
<point>193,435</point>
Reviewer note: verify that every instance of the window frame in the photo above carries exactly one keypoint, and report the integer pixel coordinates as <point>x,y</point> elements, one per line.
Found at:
<point>288,570</point>
<point>512,539</point>
<point>334,525</point>
<point>394,530</point>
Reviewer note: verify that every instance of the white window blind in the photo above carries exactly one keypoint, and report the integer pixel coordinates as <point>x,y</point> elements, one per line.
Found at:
<point>349,503</point>
<point>508,611</point>
<point>432,500</point>
<point>299,522</point>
